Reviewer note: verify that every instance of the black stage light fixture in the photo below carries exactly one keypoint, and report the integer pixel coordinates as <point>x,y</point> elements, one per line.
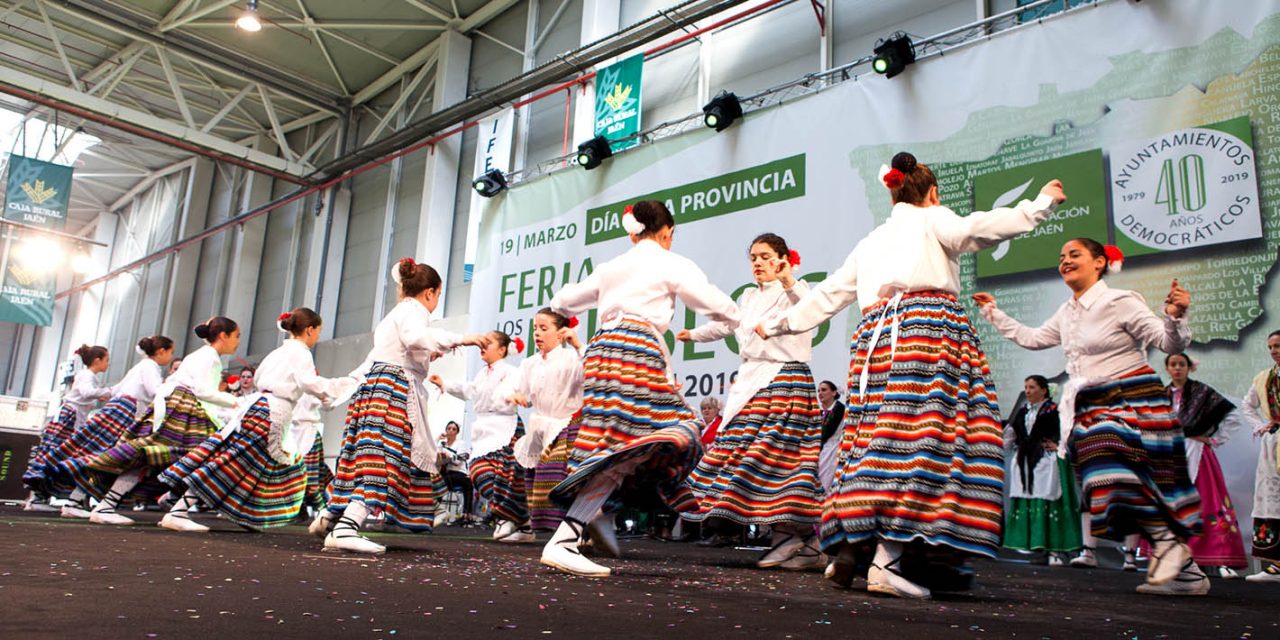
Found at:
<point>490,184</point>
<point>592,152</point>
<point>722,111</point>
<point>893,55</point>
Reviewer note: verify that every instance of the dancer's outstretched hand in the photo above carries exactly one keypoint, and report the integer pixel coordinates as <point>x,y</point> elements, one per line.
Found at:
<point>982,299</point>
<point>436,380</point>
<point>481,340</point>
<point>760,332</point>
<point>684,336</point>
<point>1178,301</point>
<point>1054,190</point>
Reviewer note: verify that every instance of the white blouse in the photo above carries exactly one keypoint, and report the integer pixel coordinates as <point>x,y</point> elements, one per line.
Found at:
<point>916,249</point>
<point>200,372</point>
<point>289,372</point>
<point>1104,333</point>
<point>552,382</point>
<point>141,382</point>
<point>405,337</point>
<point>645,282</point>
<point>495,418</point>
<point>758,305</point>
<point>85,393</point>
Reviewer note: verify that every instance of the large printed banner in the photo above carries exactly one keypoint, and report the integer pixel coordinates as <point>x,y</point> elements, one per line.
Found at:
<point>37,194</point>
<point>618,101</point>
<point>1163,124</point>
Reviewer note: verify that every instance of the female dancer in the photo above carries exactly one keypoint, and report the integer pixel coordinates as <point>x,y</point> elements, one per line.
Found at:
<point>921,458</point>
<point>1044,510</point>
<point>762,467</point>
<point>131,401</point>
<point>1262,406</point>
<point>637,433</point>
<point>252,472</point>
<point>494,472</point>
<point>81,399</point>
<point>388,457</point>
<point>183,416</point>
<point>1208,420</point>
<point>551,382</point>
<point>1125,436</point>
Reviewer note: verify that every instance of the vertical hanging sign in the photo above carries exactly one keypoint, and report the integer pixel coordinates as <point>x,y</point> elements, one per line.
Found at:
<point>618,101</point>
<point>493,151</point>
<point>37,194</point>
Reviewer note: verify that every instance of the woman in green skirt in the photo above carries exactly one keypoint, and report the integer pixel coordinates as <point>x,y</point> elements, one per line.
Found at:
<point>1044,510</point>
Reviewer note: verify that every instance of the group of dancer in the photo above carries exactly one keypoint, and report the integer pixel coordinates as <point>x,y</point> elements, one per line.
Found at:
<point>909,484</point>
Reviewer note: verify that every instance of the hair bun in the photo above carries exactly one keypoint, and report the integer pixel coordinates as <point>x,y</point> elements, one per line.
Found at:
<point>202,331</point>
<point>405,267</point>
<point>81,350</point>
<point>904,162</point>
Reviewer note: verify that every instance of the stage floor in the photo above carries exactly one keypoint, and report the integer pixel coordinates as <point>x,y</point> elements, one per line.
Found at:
<point>64,579</point>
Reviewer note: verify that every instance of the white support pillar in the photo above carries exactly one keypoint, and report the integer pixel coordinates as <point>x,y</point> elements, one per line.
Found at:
<point>440,177</point>
<point>599,19</point>
<point>246,257</point>
<point>324,264</point>
<point>827,43</point>
<point>176,321</point>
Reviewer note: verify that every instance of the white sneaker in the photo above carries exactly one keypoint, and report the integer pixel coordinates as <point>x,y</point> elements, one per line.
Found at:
<point>781,552</point>
<point>1167,558</point>
<point>504,529</point>
<point>561,552</point>
<point>109,517</point>
<point>604,537</point>
<point>1227,573</point>
<point>182,523</point>
<point>1085,560</point>
<point>322,524</point>
<point>1191,581</point>
<point>72,511</point>
<point>1270,575</point>
<point>886,581</point>
<point>806,558</point>
<point>352,542</point>
<point>35,504</point>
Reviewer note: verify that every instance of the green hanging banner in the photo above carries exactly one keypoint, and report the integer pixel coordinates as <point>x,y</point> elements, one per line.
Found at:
<point>618,101</point>
<point>37,194</point>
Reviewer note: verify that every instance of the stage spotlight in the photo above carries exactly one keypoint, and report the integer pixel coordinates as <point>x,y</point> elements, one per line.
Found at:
<point>248,21</point>
<point>722,111</point>
<point>490,184</point>
<point>893,55</point>
<point>592,152</point>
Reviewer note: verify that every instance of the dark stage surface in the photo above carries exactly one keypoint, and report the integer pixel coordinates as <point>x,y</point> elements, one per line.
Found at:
<point>63,578</point>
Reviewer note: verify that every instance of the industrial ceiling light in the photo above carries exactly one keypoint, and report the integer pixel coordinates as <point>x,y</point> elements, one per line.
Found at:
<point>248,21</point>
<point>592,152</point>
<point>82,262</point>
<point>490,184</point>
<point>893,54</point>
<point>722,111</point>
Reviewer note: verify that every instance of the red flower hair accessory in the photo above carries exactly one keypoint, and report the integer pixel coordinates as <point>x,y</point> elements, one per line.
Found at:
<point>1115,258</point>
<point>894,179</point>
<point>793,258</point>
<point>284,316</point>
<point>573,322</point>
<point>233,381</point>
<point>404,260</point>
<point>519,343</point>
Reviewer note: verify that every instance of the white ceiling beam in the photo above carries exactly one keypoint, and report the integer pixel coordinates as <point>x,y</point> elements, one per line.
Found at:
<point>319,143</point>
<point>302,23</point>
<point>511,47</point>
<point>143,184</point>
<point>135,117</point>
<point>405,92</point>
<point>183,109</point>
<point>275,125</point>
<point>57,46</point>
<point>555,17</point>
<point>120,162</point>
<point>384,81</point>
<point>430,10</point>
<point>175,18</point>
<point>226,108</point>
<point>483,15</point>
<point>427,95</point>
<point>337,76</point>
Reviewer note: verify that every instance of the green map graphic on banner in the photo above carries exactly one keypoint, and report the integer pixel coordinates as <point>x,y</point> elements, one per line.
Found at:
<point>618,101</point>
<point>1085,214</point>
<point>37,192</point>
<point>735,191</point>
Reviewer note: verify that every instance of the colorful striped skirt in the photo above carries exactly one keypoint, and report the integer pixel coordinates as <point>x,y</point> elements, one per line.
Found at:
<point>763,466</point>
<point>633,419</point>
<point>318,474</point>
<point>500,481</point>
<point>374,464</point>
<point>142,446</point>
<point>552,469</point>
<point>1033,524</point>
<point>1128,448</point>
<point>235,474</point>
<point>56,432</point>
<point>100,431</point>
<point>922,452</point>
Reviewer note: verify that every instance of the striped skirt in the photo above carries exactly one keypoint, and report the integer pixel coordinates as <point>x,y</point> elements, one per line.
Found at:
<point>99,432</point>
<point>1129,451</point>
<point>235,474</point>
<point>633,419</point>
<point>552,469</point>
<point>500,481</point>
<point>318,474</point>
<point>763,466</point>
<point>922,452</point>
<point>374,464</point>
<point>151,449</point>
<point>55,433</point>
